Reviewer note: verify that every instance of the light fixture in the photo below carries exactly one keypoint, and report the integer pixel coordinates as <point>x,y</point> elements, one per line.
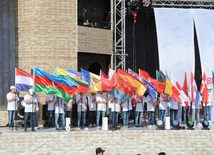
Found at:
<point>160,125</point>
<point>190,125</point>
<point>205,125</point>
<point>175,125</point>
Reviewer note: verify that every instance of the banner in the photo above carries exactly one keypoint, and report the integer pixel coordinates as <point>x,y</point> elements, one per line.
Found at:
<point>204,23</point>
<point>175,35</point>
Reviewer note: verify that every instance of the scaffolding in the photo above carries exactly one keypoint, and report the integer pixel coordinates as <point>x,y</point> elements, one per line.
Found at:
<point>209,4</point>
<point>119,53</point>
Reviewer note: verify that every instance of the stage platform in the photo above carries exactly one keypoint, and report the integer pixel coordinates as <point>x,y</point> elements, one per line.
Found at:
<point>141,140</point>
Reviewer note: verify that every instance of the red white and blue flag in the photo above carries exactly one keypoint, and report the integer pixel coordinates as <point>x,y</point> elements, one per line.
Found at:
<point>23,80</point>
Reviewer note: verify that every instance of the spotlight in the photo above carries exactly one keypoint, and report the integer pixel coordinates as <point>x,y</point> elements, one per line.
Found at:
<point>175,125</point>
<point>160,125</point>
<point>205,125</point>
<point>190,125</point>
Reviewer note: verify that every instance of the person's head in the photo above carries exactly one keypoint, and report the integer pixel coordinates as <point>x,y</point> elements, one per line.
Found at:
<point>95,24</point>
<point>12,89</point>
<point>80,93</point>
<point>30,92</point>
<point>101,92</point>
<point>99,151</point>
<point>209,88</point>
<point>162,153</point>
<point>93,94</point>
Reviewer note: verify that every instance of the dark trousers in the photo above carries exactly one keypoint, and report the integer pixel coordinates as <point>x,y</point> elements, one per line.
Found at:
<point>92,117</point>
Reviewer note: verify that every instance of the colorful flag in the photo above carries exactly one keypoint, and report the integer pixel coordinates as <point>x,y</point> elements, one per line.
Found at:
<point>96,83</point>
<point>160,86</point>
<point>170,88</point>
<point>74,73</point>
<point>185,89</point>
<point>82,86</point>
<point>110,73</point>
<point>23,80</point>
<point>151,90</point>
<point>49,84</point>
<point>141,88</point>
<point>103,75</point>
<point>123,89</point>
<point>203,89</point>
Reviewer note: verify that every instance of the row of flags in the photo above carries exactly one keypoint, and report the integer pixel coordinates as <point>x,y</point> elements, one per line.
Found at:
<point>123,84</point>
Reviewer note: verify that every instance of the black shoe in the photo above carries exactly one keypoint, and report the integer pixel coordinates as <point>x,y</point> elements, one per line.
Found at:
<point>25,130</point>
<point>63,129</point>
<point>33,130</point>
<point>57,129</point>
<point>136,126</point>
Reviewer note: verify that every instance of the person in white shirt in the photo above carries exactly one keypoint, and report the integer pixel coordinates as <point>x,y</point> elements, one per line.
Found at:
<point>36,100</point>
<point>101,106</point>
<point>81,102</point>
<point>151,110</point>
<point>164,98</point>
<point>207,108</point>
<point>185,110</point>
<point>196,108</point>
<point>50,100</point>
<point>174,111</point>
<point>110,104</point>
<point>12,106</point>
<point>139,111</point>
<point>92,109</point>
<point>69,108</point>
<point>30,109</point>
<point>60,112</point>
<point>116,108</point>
<point>126,108</point>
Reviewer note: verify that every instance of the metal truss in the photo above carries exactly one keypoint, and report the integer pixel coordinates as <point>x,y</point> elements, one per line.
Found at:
<point>119,54</point>
<point>209,4</point>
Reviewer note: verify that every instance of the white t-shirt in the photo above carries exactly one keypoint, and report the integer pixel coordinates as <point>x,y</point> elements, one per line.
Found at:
<point>101,106</point>
<point>209,99</point>
<point>69,105</point>
<point>30,106</point>
<point>116,105</point>
<point>60,106</point>
<point>127,105</point>
<point>110,98</point>
<point>150,106</point>
<point>82,103</point>
<point>174,105</point>
<point>92,105</point>
<point>51,104</point>
<point>163,104</point>
<point>11,105</point>
<point>139,106</point>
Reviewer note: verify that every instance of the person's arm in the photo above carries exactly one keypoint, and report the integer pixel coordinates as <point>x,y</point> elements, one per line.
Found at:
<point>30,100</point>
<point>12,99</point>
<point>17,106</point>
<point>56,101</point>
<point>79,100</point>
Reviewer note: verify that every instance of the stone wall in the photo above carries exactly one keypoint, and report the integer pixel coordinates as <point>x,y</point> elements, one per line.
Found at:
<point>182,142</point>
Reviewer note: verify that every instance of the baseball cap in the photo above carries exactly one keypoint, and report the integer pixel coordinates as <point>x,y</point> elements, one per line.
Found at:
<point>99,150</point>
<point>12,87</point>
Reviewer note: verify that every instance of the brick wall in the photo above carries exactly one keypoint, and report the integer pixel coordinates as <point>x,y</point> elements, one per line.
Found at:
<point>182,142</point>
<point>95,40</point>
<point>46,36</point>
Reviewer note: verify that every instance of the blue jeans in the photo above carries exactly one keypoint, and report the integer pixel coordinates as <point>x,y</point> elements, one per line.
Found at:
<point>138,116</point>
<point>31,118</point>
<point>11,118</point>
<point>62,119</point>
<point>98,116</point>
<point>207,109</point>
<point>68,114</point>
<point>185,112</point>
<point>162,115</point>
<point>151,117</point>
<point>197,115</point>
<point>36,119</point>
<point>81,115</point>
<point>125,118</point>
<point>115,118</point>
<point>110,116</point>
<point>173,112</point>
<point>92,117</point>
<point>51,118</point>
<point>167,111</point>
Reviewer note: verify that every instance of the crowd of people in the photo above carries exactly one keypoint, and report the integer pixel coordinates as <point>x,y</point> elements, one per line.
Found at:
<point>97,104</point>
